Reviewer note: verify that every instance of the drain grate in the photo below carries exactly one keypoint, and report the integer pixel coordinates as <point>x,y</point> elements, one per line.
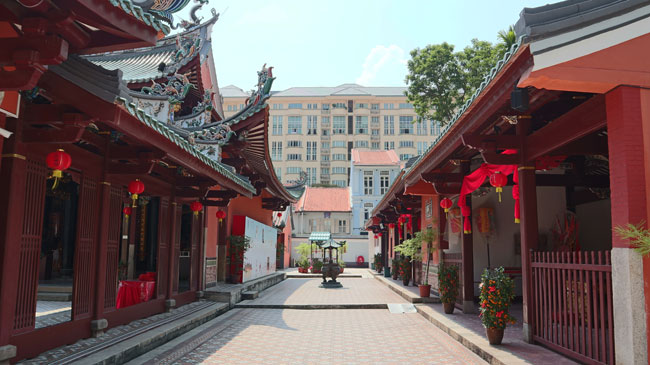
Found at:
<point>397,308</point>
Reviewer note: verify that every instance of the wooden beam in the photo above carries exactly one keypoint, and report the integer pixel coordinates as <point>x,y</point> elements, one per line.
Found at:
<point>188,193</point>
<point>222,194</point>
<point>594,181</point>
<point>192,181</point>
<point>234,161</point>
<point>446,188</point>
<point>127,169</point>
<point>69,134</point>
<point>433,177</point>
<point>215,203</point>
<point>585,119</point>
<point>491,142</point>
<point>499,159</point>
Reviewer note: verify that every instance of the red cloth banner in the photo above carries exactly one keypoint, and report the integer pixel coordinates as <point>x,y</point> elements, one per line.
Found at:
<point>132,292</point>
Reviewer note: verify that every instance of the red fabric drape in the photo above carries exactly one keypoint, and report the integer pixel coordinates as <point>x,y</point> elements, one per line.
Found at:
<point>474,180</point>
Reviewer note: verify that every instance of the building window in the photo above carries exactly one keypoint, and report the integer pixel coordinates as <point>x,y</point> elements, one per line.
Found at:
<point>405,156</point>
<point>406,124</point>
<point>389,146</point>
<point>294,144</point>
<point>338,125</point>
<point>229,108</point>
<point>435,128</point>
<point>325,106</point>
<point>343,226</point>
<point>295,105</point>
<point>325,120</point>
<point>374,106</point>
<point>405,144</point>
<point>311,151</point>
<point>325,145</point>
<point>325,132</point>
<point>278,173</point>
<point>421,128</point>
<point>294,170</point>
<point>277,106</point>
<point>388,106</point>
<point>362,125</point>
<point>374,120</point>
<point>324,170</point>
<point>360,144</point>
<point>341,183</point>
<point>362,106</point>
<point>367,183</point>
<point>367,208</point>
<point>338,143</point>
<point>339,106</point>
<point>339,170</point>
<point>324,157</point>
<point>374,145</point>
<point>375,132</point>
<point>276,151</point>
<point>277,125</point>
<point>422,147</point>
<point>339,157</point>
<point>241,106</point>
<point>405,106</point>
<point>312,124</point>
<point>311,175</point>
<point>295,125</point>
<point>389,125</point>
<point>312,106</point>
<point>294,157</point>
<point>384,179</point>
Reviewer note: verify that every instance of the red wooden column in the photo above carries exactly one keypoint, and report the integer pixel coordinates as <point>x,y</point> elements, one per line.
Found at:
<point>3,122</point>
<point>529,231</point>
<point>104,198</point>
<point>628,129</point>
<point>468,257</point>
<point>12,206</point>
<point>173,212</point>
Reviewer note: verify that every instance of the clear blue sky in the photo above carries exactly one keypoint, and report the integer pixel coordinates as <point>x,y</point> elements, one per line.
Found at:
<point>327,43</point>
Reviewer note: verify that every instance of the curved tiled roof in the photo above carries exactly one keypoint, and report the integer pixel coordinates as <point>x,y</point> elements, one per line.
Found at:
<point>139,13</point>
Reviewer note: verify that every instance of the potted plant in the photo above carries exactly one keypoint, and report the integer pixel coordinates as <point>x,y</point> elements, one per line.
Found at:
<point>410,251</point>
<point>428,237</point>
<point>395,265</point>
<point>638,236</point>
<point>379,265</point>
<point>316,266</point>
<point>497,291</point>
<point>448,286</point>
<point>238,246</point>
<point>405,271</point>
<point>303,266</point>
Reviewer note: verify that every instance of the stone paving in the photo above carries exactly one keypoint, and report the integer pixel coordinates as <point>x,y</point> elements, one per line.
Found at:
<point>50,313</point>
<point>289,336</point>
<point>307,292</point>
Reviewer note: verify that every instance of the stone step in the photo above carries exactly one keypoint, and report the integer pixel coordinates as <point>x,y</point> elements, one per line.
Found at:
<point>250,294</point>
<point>55,288</point>
<point>232,293</point>
<point>54,296</point>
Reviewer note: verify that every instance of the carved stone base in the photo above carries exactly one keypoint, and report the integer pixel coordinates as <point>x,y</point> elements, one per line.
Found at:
<point>97,327</point>
<point>7,353</point>
<point>331,284</point>
<point>170,304</point>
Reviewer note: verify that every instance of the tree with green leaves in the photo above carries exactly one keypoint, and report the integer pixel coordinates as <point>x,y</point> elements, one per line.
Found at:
<point>441,80</point>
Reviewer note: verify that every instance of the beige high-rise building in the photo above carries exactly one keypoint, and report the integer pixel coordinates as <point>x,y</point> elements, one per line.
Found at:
<point>314,129</point>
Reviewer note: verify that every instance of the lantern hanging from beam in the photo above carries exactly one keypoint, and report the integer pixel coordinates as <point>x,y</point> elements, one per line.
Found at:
<point>498,180</point>
<point>446,204</point>
<point>280,215</point>
<point>136,187</point>
<point>391,225</point>
<point>221,215</point>
<point>127,212</point>
<point>196,207</point>
<point>376,237</point>
<point>58,161</point>
<point>379,234</point>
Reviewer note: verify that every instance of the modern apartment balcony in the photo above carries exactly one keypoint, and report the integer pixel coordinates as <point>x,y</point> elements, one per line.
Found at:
<point>374,111</point>
<point>324,164</point>
<point>324,111</point>
<point>375,137</point>
<point>325,151</point>
<point>325,137</point>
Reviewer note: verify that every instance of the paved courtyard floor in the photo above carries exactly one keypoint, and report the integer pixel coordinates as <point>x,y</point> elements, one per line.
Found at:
<point>317,336</point>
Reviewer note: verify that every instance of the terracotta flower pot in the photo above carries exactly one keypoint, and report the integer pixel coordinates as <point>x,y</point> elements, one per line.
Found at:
<point>494,335</point>
<point>449,307</point>
<point>425,290</point>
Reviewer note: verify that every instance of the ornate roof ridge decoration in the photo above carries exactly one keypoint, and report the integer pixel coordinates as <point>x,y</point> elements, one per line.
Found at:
<point>221,132</point>
<point>168,133</point>
<point>145,16</point>
<point>168,56</point>
<point>459,113</point>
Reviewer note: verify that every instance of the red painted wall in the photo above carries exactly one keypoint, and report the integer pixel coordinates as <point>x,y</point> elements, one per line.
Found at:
<point>287,242</point>
<point>433,220</point>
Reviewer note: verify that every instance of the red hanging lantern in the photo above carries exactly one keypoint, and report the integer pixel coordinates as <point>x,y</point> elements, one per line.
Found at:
<point>221,215</point>
<point>127,211</point>
<point>391,225</point>
<point>379,234</point>
<point>136,187</point>
<point>196,208</point>
<point>376,237</point>
<point>280,215</point>
<point>58,161</point>
<point>498,180</point>
<point>446,204</point>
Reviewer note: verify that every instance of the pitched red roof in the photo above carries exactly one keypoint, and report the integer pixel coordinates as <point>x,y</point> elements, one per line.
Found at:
<point>374,157</point>
<point>324,200</point>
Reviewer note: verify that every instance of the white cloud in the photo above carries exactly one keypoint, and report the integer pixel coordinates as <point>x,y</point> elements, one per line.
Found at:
<point>381,60</point>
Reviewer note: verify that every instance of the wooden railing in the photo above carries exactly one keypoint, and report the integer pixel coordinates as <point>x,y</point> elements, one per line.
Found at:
<point>456,259</point>
<point>572,304</point>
